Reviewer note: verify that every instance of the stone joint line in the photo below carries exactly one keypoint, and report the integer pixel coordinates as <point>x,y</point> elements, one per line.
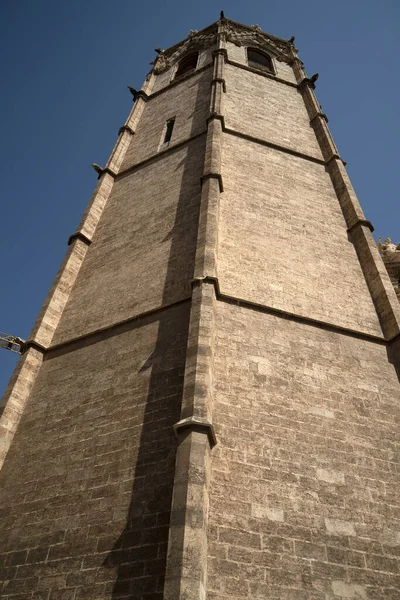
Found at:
<point>284,314</point>
<point>220,296</point>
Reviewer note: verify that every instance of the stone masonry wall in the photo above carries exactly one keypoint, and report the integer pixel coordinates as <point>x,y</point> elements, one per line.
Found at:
<point>187,101</point>
<point>267,109</point>
<point>283,240</point>
<point>86,487</point>
<point>304,501</point>
<point>238,54</point>
<point>142,254</point>
<point>303,493</point>
<point>166,77</point>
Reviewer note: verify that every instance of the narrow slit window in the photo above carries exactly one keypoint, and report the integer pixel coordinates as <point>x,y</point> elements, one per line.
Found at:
<point>168,131</point>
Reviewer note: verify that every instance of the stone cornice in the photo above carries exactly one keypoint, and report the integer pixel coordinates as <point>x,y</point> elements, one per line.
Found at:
<point>232,31</point>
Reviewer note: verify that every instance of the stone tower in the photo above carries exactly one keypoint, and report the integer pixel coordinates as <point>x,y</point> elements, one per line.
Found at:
<point>208,406</point>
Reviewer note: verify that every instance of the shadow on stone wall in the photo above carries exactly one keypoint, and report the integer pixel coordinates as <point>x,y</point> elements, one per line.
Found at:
<point>139,554</point>
<point>393,351</point>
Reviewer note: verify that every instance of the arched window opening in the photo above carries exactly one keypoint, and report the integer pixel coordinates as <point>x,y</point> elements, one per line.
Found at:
<point>259,60</point>
<point>187,64</point>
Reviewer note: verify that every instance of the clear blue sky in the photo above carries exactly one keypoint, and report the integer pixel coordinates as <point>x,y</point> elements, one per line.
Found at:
<point>65,68</point>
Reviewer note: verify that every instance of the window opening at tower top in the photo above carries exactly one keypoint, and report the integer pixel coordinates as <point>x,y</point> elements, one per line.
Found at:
<point>187,64</point>
<point>259,60</point>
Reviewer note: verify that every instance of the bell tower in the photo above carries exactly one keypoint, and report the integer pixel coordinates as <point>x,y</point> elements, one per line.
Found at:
<point>208,404</point>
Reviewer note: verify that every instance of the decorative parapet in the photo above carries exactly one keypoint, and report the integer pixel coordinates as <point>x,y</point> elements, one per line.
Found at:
<point>390,253</point>
<point>231,31</point>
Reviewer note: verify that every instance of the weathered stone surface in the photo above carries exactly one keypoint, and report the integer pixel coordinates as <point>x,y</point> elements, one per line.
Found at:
<point>94,454</point>
<point>224,287</point>
<point>142,256</point>
<point>264,108</point>
<point>283,239</point>
<point>329,475</point>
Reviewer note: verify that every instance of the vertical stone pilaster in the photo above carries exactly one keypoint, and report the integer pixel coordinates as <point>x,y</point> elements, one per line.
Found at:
<point>359,229</point>
<point>15,397</point>
<point>128,129</point>
<point>212,184</point>
<point>95,208</point>
<point>186,575</point>
<point>52,309</point>
<point>20,386</point>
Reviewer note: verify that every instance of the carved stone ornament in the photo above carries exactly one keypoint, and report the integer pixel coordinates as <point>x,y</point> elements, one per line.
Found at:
<point>387,247</point>
<point>196,41</point>
<point>161,63</point>
<point>255,37</point>
<point>232,32</point>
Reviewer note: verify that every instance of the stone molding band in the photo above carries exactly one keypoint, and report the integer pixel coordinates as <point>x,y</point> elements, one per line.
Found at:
<point>218,176</point>
<point>250,138</point>
<point>160,154</point>
<point>222,51</point>
<point>223,298</point>
<point>78,235</point>
<point>132,320</point>
<point>278,312</point>
<point>262,73</point>
<point>358,223</point>
<point>197,424</point>
<point>225,129</point>
<point>175,82</point>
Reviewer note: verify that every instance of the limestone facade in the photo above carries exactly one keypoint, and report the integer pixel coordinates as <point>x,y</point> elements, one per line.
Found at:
<point>208,407</point>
